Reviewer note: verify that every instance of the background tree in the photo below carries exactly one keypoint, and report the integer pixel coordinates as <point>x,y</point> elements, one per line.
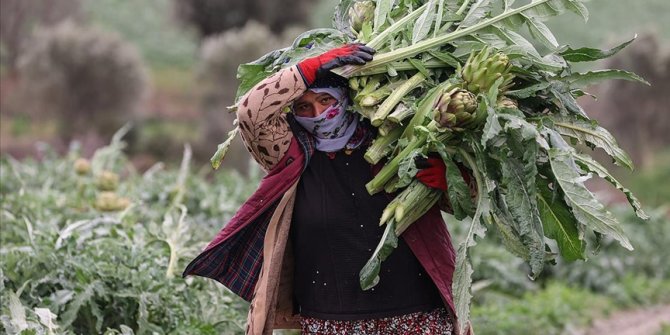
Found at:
<point>19,17</point>
<point>210,17</point>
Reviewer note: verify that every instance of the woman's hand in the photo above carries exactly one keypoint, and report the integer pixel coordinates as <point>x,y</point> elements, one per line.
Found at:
<point>351,54</point>
<point>432,172</point>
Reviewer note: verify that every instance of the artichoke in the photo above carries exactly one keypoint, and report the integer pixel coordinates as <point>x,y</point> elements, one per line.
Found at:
<point>359,13</point>
<point>455,107</point>
<point>107,181</point>
<point>110,202</point>
<point>82,166</point>
<point>482,70</point>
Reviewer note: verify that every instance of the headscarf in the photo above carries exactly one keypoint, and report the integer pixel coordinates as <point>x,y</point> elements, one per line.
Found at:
<point>333,129</point>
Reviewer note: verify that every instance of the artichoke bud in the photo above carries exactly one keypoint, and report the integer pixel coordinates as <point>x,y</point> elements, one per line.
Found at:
<point>506,102</point>
<point>359,13</point>
<point>465,101</point>
<point>110,201</point>
<point>107,181</point>
<point>443,103</point>
<point>463,116</point>
<point>82,166</point>
<point>445,119</point>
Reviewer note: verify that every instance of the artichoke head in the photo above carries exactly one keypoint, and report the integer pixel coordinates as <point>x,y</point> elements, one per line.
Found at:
<point>454,107</point>
<point>359,13</point>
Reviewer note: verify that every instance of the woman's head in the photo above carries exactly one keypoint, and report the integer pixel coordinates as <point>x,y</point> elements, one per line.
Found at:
<point>315,101</point>
<point>312,104</point>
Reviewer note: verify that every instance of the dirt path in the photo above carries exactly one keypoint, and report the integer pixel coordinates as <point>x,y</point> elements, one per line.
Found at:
<point>646,321</point>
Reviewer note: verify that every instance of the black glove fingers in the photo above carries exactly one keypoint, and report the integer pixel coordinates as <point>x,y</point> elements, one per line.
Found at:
<point>366,49</point>
<point>422,162</point>
<point>363,55</point>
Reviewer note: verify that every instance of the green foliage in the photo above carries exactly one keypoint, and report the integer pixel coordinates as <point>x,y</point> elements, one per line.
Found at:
<point>113,272</point>
<point>149,25</point>
<point>545,312</point>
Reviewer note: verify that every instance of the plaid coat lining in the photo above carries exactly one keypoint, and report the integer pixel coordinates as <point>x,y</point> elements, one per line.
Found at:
<point>236,262</point>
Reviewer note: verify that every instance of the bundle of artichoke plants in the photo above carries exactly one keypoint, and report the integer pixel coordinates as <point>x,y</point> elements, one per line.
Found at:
<point>454,78</point>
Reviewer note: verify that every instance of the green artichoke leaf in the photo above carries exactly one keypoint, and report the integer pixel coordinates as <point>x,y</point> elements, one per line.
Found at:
<point>222,148</point>
<point>559,223</point>
<point>369,274</point>
<point>458,191</point>
<point>462,283</point>
<point>587,131</point>
<point>585,207</point>
<point>477,11</point>
<point>422,26</point>
<point>589,164</point>
<point>591,54</point>
<point>583,80</point>
<point>518,190</point>
<point>382,10</point>
<point>541,32</point>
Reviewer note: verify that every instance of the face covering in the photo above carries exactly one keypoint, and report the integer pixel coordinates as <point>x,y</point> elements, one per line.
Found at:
<point>333,129</point>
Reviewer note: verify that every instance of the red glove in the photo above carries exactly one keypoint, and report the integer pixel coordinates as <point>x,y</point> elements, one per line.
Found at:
<point>432,172</point>
<point>350,54</point>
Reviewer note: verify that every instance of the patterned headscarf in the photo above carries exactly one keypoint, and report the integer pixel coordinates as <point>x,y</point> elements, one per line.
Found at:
<point>333,129</point>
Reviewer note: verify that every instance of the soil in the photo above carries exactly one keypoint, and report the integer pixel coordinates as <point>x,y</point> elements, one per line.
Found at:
<point>646,321</point>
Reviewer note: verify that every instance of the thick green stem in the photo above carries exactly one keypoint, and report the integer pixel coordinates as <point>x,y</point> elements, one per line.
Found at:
<point>425,45</point>
<point>400,113</point>
<point>390,169</point>
<point>382,146</point>
<point>394,28</point>
<point>392,100</point>
<point>403,66</point>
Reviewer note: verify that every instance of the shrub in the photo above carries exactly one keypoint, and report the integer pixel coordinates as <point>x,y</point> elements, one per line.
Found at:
<point>19,17</point>
<point>211,17</point>
<point>90,79</point>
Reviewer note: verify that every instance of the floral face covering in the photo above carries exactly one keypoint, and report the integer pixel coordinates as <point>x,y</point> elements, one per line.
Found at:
<point>333,129</point>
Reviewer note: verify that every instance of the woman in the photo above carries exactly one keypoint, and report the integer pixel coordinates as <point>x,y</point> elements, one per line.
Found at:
<point>295,247</point>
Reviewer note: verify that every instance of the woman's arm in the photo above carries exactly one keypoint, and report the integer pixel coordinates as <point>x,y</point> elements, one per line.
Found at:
<point>263,124</point>
<point>262,121</point>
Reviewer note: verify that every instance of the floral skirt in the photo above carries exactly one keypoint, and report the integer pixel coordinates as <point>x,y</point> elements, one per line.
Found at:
<point>436,322</point>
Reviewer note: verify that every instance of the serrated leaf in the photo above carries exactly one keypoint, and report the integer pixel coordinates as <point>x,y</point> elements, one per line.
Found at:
<point>407,168</point>
<point>577,7</point>
<point>583,80</point>
<point>527,130</point>
<point>567,101</point>
<point>446,57</point>
<point>462,283</point>
<point>369,274</point>
<point>529,91</point>
<point>591,54</point>
<point>421,27</point>
<point>222,148</point>
<point>477,11</point>
<point>458,191</point>
<point>541,32</point>
<point>17,312</point>
<point>382,10</point>
<point>559,223</point>
<point>585,207</point>
<point>590,165</point>
<point>586,131</point>
<point>514,39</point>
<point>80,299</point>
<point>508,235</point>
<point>492,127</point>
<point>518,182</point>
